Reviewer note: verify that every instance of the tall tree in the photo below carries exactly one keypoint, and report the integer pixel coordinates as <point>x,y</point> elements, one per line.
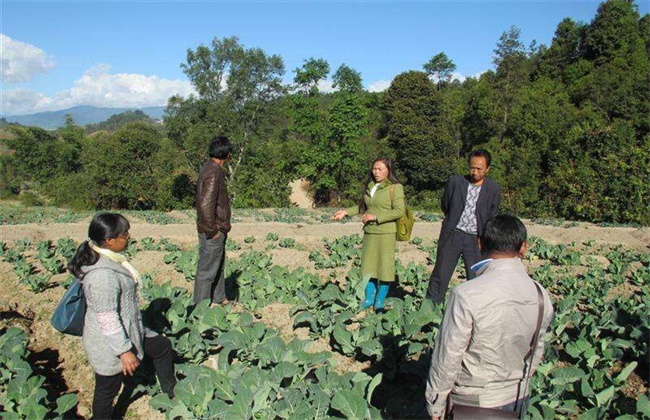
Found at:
<point>237,87</point>
<point>511,72</point>
<point>619,84</point>
<point>566,49</point>
<point>412,109</point>
<point>207,68</point>
<point>312,71</point>
<point>440,68</point>
<point>614,30</point>
<point>347,79</point>
<point>332,158</point>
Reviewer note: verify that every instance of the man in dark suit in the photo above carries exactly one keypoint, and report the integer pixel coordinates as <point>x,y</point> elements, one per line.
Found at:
<point>468,203</point>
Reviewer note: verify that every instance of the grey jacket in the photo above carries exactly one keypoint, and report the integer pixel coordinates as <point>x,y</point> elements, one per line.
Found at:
<point>113,323</point>
<point>485,335</point>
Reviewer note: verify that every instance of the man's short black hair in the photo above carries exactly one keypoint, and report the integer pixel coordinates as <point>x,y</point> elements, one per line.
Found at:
<point>503,233</point>
<point>220,147</point>
<point>481,153</point>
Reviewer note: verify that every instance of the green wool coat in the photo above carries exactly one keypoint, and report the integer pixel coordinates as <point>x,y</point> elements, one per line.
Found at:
<point>378,249</point>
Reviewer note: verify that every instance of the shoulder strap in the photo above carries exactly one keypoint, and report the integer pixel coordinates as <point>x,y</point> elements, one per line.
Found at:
<point>531,353</point>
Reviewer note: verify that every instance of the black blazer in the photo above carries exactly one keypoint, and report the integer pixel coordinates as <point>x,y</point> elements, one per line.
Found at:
<point>453,199</point>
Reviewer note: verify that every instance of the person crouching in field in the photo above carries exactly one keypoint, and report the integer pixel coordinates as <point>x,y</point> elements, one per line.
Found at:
<point>380,205</point>
<point>114,338</point>
<point>493,326</point>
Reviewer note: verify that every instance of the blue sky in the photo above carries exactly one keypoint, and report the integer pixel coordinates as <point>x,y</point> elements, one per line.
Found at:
<point>55,55</point>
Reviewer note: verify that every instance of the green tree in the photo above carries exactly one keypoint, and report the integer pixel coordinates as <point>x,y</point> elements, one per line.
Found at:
<point>347,79</point>
<point>619,84</point>
<point>40,155</point>
<point>122,167</point>
<point>312,71</point>
<point>117,121</point>
<point>510,59</point>
<point>412,110</point>
<point>599,172</point>
<point>440,67</point>
<point>481,120</point>
<point>238,88</point>
<point>331,156</point>
<point>544,113</point>
<point>191,123</point>
<point>566,49</point>
<point>614,30</point>
<point>207,68</point>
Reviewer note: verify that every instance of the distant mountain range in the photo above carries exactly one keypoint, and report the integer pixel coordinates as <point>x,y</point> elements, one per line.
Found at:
<point>82,115</point>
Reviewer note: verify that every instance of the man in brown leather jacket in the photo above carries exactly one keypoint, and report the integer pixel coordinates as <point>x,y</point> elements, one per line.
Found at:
<point>212,223</point>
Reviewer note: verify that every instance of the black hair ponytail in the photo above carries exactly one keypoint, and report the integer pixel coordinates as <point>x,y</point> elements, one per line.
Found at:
<point>104,226</point>
<point>85,255</point>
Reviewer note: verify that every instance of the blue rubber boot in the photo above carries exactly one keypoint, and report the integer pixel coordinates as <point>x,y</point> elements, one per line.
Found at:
<point>381,295</point>
<point>371,292</point>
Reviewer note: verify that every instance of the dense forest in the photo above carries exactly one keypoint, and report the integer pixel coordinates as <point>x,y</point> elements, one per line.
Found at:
<point>567,125</point>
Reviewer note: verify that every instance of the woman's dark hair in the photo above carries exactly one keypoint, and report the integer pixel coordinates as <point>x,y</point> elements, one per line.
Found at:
<point>104,226</point>
<point>391,177</point>
<point>503,233</point>
<point>220,147</point>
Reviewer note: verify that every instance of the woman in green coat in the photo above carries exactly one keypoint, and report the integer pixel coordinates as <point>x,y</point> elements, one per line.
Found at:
<point>381,204</point>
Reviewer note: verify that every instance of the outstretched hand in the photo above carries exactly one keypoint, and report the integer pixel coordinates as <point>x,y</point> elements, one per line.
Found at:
<point>339,215</point>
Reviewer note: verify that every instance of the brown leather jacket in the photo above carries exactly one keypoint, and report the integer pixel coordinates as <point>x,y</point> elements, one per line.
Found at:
<point>212,201</point>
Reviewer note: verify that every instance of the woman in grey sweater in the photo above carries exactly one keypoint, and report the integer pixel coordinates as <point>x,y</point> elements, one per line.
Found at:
<point>114,338</point>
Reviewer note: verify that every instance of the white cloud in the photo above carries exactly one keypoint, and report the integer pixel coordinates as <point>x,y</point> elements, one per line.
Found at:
<point>325,86</point>
<point>479,74</point>
<point>24,101</point>
<point>461,77</point>
<point>98,87</point>
<point>379,86</point>
<point>21,62</point>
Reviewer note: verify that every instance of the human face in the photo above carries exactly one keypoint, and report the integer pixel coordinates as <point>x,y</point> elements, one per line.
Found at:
<point>478,169</point>
<point>118,244</point>
<point>379,171</point>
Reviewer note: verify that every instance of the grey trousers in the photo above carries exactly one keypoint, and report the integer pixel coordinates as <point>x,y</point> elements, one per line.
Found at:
<point>210,281</point>
<point>458,243</point>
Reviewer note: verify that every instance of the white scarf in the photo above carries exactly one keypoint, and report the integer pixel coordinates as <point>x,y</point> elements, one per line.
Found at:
<point>374,189</point>
<point>119,258</point>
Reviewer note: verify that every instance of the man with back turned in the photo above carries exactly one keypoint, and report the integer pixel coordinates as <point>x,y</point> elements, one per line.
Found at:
<point>492,334</point>
<point>213,223</point>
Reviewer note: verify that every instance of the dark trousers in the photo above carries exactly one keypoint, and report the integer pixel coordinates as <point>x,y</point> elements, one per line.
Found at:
<point>159,349</point>
<point>210,282</point>
<point>458,243</point>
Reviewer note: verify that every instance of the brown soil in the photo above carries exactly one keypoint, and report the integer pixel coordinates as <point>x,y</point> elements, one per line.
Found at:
<point>64,355</point>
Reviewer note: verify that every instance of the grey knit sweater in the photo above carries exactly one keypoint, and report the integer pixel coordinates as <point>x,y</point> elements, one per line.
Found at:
<point>113,323</point>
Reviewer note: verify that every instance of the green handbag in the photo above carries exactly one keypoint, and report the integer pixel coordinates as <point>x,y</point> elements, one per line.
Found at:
<point>405,223</point>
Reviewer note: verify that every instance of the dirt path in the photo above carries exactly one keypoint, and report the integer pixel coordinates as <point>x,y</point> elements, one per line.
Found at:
<point>185,233</point>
